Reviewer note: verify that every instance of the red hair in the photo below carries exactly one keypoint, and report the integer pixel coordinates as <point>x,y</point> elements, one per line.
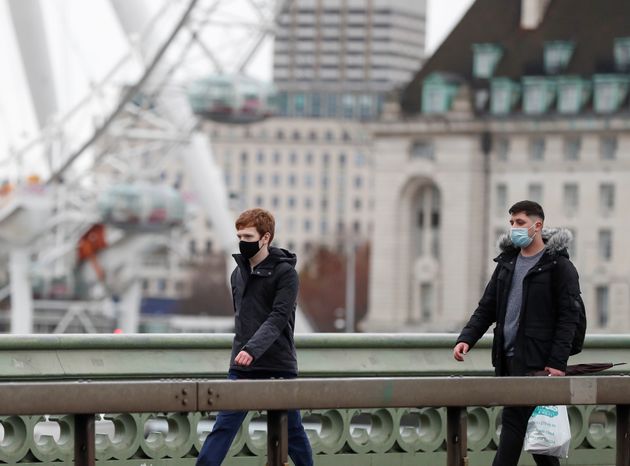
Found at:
<point>260,219</point>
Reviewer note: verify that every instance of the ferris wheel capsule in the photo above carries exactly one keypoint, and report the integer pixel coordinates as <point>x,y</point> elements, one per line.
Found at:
<point>232,99</point>
<point>142,207</point>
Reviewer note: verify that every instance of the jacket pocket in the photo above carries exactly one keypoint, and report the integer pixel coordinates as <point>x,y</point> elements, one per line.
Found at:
<point>538,341</point>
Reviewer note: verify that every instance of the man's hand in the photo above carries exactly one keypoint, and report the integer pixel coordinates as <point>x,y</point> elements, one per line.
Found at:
<point>554,372</point>
<point>460,350</point>
<point>243,358</point>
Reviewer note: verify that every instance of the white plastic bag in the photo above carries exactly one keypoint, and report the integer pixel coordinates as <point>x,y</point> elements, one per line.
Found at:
<point>548,432</point>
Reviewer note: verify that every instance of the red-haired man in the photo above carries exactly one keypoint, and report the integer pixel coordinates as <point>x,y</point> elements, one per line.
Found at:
<point>264,290</point>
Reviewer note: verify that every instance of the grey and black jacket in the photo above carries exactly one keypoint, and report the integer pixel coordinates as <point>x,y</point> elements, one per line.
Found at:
<point>549,311</point>
<point>264,300</point>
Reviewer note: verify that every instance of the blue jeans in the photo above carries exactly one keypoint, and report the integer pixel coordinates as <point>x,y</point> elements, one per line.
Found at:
<point>217,444</point>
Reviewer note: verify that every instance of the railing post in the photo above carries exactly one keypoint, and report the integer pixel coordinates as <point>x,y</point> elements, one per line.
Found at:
<point>623,435</point>
<point>84,440</point>
<point>456,442</point>
<point>277,438</point>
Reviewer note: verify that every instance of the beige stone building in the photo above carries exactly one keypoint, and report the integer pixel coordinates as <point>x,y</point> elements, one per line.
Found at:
<point>315,175</point>
<point>531,107</point>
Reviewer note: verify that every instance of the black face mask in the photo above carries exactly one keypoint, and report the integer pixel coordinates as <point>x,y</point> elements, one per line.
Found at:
<point>249,248</point>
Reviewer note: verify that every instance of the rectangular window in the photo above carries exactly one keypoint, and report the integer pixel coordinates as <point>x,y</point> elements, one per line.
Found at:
<point>606,198</point>
<point>608,148</point>
<point>572,94</point>
<point>571,198</point>
<point>437,94</point>
<point>316,105</point>
<point>332,105</point>
<point>502,199</point>
<point>422,149</point>
<point>299,104</point>
<point>572,147</point>
<point>602,302</point>
<point>622,53</point>
<point>538,95</point>
<point>366,105</point>
<point>426,301</point>
<point>535,192</point>
<point>348,105</point>
<point>503,95</point>
<point>537,150</point>
<point>503,149</point>
<point>568,98</point>
<point>604,245</point>
<point>557,56</point>
<point>434,100</point>
<point>485,59</point>
<point>609,92</point>
<point>359,159</point>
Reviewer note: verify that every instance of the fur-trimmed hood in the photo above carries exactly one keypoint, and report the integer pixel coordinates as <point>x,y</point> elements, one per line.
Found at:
<point>557,241</point>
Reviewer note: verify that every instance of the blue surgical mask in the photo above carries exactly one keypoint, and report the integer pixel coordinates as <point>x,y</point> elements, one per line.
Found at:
<point>520,236</point>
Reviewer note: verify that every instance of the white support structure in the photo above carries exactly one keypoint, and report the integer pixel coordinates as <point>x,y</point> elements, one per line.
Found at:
<point>50,246</point>
<point>30,33</point>
<point>129,308</point>
<point>21,293</point>
<point>200,166</point>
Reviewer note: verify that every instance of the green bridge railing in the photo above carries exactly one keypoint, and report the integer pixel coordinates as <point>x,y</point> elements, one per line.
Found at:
<point>378,436</point>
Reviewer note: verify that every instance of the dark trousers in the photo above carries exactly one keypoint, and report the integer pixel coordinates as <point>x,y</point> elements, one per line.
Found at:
<point>217,444</point>
<point>513,426</point>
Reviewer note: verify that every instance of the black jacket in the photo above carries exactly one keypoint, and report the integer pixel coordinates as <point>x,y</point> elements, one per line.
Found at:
<point>264,306</point>
<point>549,312</point>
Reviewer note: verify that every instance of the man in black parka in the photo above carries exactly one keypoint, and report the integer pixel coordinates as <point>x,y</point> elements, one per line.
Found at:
<point>532,298</point>
<point>264,291</point>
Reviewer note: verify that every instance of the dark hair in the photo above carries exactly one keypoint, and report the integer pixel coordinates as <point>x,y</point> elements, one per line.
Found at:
<point>531,209</point>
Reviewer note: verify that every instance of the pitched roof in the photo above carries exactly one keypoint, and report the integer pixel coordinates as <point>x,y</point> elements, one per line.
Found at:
<point>592,25</point>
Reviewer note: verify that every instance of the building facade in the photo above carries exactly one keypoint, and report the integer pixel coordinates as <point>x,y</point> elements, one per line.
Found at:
<point>315,175</point>
<point>339,58</point>
<point>534,106</point>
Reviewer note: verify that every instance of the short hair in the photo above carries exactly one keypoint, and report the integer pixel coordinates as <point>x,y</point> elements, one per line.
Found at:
<point>531,209</point>
<point>260,219</point>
